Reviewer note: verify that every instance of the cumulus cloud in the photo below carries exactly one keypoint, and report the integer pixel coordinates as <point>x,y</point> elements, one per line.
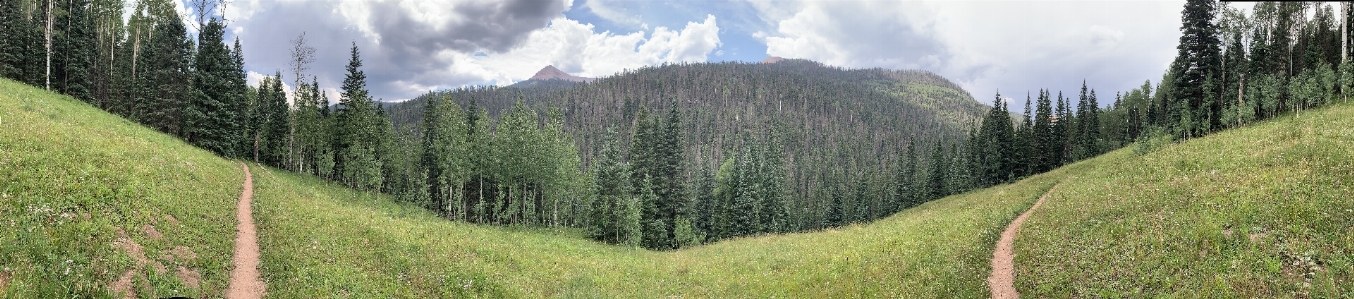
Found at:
<point>410,47</point>
<point>984,46</point>
<point>578,49</point>
<point>615,11</point>
<point>404,45</point>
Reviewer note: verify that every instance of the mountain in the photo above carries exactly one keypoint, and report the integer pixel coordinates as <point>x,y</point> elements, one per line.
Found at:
<point>123,206</point>
<point>837,127</point>
<point>549,72</point>
<point>772,59</point>
<point>551,77</point>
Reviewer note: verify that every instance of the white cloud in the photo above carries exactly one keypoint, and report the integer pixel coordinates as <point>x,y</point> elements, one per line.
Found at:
<point>615,11</point>
<point>578,49</point>
<point>983,46</point>
<point>254,79</point>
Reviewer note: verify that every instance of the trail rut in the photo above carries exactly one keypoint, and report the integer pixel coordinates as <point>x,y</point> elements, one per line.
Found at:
<point>1002,280</point>
<point>244,278</point>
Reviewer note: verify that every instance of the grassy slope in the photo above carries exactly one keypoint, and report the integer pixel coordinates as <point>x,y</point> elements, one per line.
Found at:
<point>318,239</point>
<point>72,177</point>
<point>1263,211</point>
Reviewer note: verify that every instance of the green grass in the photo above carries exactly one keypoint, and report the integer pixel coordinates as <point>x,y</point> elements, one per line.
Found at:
<point>1262,211</point>
<point>72,177</point>
<point>321,240</point>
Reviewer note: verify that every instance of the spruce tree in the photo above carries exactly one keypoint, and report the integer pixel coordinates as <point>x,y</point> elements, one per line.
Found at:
<point>905,183</point>
<point>76,56</point>
<point>1195,64</point>
<point>746,209</point>
<point>210,118</point>
<point>13,35</point>
<point>1043,136</point>
<point>167,86</point>
<point>935,182</point>
<point>358,129</point>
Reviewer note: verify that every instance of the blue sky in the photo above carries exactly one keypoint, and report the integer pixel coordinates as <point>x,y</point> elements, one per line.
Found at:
<point>412,46</point>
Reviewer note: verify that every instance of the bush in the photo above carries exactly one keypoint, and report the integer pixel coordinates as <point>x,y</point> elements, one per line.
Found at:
<point>1151,141</point>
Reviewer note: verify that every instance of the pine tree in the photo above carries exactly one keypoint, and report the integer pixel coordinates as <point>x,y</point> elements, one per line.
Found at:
<point>747,195</point>
<point>276,124</point>
<point>935,182</point>
<point>771,174</point>
<point>1024,147</point>
<point>167,86</point>
<point>1092,120</point>
<point>236,95</point>
<point>13,35</point>
<point>34,52</point>
<point>905,183</point>
<point>210,119</point>
<point>671,188</point>
<point>1044,135</point>
<point>611,192</point>
<point>75,53</point>
<point>1195,64</point>
<point>357,124</point>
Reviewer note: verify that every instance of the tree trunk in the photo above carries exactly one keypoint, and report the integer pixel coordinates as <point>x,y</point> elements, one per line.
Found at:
<point>48,43</point>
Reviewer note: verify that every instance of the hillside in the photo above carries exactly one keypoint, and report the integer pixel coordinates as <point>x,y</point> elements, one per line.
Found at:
<point>1261,211</point>
<point>94,204</point>
<point>1257,211</point>
<point>836,126</point>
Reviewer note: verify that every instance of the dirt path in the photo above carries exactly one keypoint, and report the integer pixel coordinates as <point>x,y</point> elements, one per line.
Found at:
<point>244,278</point>
<point>1002,281</point>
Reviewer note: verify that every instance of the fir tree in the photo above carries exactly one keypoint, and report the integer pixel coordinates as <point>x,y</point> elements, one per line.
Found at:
<point>935,183</point>
<point>210,117</point>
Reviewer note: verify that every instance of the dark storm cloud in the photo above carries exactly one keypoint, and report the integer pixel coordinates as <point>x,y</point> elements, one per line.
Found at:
<point>399,46</point>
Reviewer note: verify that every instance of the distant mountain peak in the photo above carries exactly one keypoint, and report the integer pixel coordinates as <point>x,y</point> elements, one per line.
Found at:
<point>550,72</point>
<point>772,59</point>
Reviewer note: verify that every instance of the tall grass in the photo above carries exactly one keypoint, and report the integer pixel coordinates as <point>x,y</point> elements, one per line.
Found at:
<point>1262,211</point>
<point>322,240</point>
<point>78,186</point>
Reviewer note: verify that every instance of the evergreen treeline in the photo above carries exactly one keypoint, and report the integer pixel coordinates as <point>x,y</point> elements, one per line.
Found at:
<point>1232,69</point>
<point>717,140</point>
<point>147,69</point>
<point>669,156</point>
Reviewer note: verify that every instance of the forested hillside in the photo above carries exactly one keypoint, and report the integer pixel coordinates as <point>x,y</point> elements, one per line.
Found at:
<point>834,132</point>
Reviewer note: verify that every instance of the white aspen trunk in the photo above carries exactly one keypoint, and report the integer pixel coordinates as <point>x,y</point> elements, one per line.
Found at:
<point>48,34</point>
<point>1344,31</point>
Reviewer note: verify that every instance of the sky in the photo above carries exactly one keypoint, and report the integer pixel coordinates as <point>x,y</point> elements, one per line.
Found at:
<point>409,47</point>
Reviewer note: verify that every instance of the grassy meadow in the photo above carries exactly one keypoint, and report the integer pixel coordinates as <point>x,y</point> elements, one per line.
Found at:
<point>88,199</point>
<point>90,202</point>
<point>320,240</point>
<point>1256,212</point>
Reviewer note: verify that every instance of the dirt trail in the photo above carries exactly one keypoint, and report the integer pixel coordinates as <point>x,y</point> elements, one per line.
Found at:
<point>1002,281</point>
<point>244,278</point>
